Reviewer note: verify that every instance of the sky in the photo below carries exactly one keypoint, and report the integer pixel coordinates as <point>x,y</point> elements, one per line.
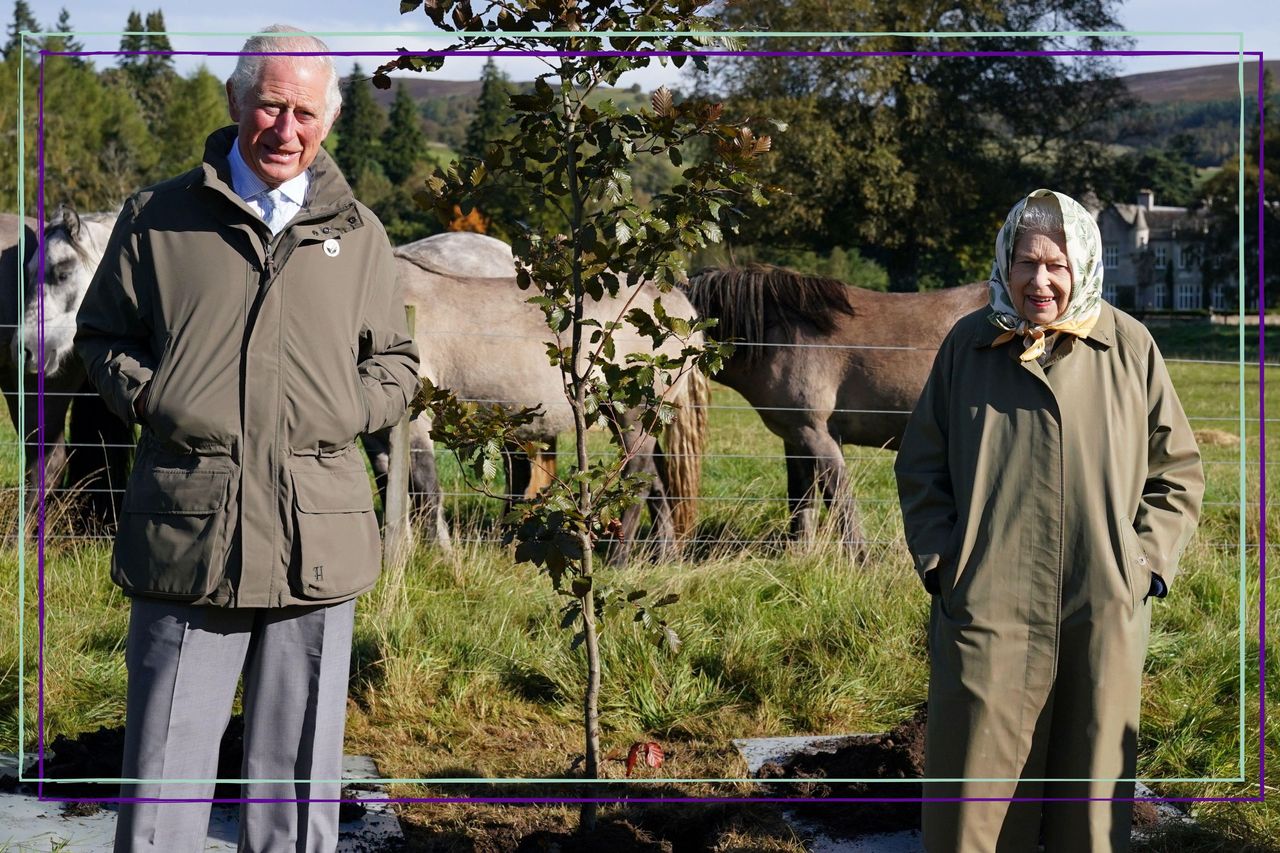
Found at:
<point>1189,21</point>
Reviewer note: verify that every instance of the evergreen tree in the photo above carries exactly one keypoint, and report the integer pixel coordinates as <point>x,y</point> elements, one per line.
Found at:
<point>66,43</point>
<point>508,203</point>
<point>1221,249</point>
<point>492,111</point>
<point>23,19</point>
<point>197,107</point>
<point>131,42</point>
<point>359,126</point>
<point>159,64</point>
<point>403,141</point>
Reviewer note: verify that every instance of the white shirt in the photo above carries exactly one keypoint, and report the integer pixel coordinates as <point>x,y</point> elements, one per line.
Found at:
<point>251,188</point>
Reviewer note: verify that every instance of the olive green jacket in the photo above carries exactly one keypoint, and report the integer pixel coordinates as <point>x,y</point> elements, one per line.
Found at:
<point>264,358</point>
<point>1004,466</point>
<point>1044,497</point>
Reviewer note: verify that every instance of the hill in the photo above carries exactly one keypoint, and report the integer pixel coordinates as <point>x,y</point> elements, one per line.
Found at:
<point>1198,85</point>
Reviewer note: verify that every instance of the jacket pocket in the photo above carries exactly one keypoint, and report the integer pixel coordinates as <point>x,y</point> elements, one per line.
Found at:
<point>1133,562</point>
<point>173,535</point>
<point>338,546</point>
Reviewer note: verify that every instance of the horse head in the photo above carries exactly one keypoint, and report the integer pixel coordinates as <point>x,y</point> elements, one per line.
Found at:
<point>71,248</point>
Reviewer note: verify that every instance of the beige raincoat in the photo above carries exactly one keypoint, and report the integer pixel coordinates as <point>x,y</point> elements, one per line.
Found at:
<point>265,358</point>
<point>1044,497</point>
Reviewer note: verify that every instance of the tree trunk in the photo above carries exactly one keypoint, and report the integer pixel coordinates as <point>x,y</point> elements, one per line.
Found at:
<point>580,374</point>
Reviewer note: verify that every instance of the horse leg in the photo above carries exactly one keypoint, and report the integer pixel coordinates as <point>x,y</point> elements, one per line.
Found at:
<point>9,385</point>
<point>802,491</point>
<point>645,457</point>
<point>55,447</point>
<point>377,446</point>
<point>519,475</point>
<point>98,461</point>
<point>833,477</point>
<point>424,482</point>
<point>542,472</point>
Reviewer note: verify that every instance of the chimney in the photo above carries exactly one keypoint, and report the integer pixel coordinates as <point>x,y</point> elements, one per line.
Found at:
<point>1146,199</point>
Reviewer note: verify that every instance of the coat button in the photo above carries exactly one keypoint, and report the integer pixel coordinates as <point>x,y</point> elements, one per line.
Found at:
<point>1142,561</point>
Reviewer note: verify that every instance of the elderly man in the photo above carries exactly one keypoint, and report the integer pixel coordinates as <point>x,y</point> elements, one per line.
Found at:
<point>246,314</point>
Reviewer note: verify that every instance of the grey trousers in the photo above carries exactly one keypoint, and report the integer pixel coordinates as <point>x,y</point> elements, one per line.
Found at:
<point>184,663</point>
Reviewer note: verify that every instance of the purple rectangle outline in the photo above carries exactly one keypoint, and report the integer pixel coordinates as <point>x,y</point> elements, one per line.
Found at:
<point>41,484</point>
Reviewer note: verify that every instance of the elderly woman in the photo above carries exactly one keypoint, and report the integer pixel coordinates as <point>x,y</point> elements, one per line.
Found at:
<point>1049,483</point>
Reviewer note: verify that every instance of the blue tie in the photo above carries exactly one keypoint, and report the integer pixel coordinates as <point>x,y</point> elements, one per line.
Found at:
<point>275,210</point>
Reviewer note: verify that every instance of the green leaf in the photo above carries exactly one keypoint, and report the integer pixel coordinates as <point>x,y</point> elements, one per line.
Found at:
<point>581,586</point>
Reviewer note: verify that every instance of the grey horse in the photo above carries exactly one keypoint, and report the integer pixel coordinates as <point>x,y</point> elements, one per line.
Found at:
<point>93,454</point>
<point>826,364</point>
<point>480,338</point>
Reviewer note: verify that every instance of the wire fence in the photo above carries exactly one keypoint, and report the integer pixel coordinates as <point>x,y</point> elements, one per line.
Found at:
<point>455,498</point>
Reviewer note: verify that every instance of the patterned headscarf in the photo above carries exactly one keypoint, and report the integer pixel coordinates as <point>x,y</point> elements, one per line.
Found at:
<point>1084,254</point>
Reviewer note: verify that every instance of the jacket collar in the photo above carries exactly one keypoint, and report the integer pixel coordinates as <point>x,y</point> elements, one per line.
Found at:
<point>328,195</point>
<point>1102,334</point>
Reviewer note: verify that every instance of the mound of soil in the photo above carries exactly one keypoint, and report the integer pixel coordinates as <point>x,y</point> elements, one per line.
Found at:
<point>99,755</point>
<point>899,754</point>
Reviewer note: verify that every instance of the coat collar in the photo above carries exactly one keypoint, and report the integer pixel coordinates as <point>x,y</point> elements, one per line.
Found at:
<point>328,195</point>
<point>1102,334</point>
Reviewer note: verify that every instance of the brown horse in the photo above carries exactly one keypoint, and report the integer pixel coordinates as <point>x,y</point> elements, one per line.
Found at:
<point>826,364</point>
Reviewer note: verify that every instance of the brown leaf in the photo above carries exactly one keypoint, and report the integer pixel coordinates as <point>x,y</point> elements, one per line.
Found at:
<point>651,751</point>
<point>661,100</point>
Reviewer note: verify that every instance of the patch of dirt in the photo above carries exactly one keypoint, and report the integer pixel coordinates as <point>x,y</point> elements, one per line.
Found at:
<point>1145,815</point>
<point>99,755</point>
<point>616,837</point>
<point>898,754</point>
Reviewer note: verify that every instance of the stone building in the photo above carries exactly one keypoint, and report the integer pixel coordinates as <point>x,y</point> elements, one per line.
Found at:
<point>1151,256</point>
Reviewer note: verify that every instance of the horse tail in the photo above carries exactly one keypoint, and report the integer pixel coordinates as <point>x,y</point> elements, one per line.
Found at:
<point>685,438</point>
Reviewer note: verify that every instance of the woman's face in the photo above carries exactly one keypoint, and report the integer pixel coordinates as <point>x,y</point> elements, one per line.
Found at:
<point>1040,277</point>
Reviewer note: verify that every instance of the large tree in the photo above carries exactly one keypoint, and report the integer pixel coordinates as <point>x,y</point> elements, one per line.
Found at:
<point>403,141</point>
<point>131,41</point>
<point>22,20</point>
<point>359,127</point>
<point>509,205</point>
<point>66,42</point>
<point>493,112</point>
<point>158,63</point>
<point>1222,247</point>
<point>915,159</point>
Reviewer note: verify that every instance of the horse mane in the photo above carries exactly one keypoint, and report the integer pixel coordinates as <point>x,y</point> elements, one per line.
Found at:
<point>748,300</point>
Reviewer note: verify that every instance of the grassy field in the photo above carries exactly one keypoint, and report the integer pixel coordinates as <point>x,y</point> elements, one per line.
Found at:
<point>462,672</point>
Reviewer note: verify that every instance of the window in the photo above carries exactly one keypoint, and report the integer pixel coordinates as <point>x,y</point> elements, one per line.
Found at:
<point>1110,257</point>
<point>1159,297</point>
<point>1186,257</point>
<point>1186,296</point>
<point>1108,292</point>
<point>1162,257</point>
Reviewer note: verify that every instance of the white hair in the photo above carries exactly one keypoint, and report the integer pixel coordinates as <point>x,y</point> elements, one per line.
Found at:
<point>1042,215</point>
<point>249,68</point>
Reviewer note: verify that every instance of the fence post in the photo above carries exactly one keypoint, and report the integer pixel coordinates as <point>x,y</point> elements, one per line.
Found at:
<point>398,535</point>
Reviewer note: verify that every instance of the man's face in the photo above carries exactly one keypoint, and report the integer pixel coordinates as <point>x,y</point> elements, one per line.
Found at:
<point>282,121</point>
<point>1040,279</point>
